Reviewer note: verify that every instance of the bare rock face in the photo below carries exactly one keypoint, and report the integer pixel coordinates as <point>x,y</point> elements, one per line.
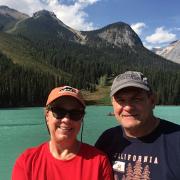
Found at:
<point>120,34</point>
<point>171,52</point>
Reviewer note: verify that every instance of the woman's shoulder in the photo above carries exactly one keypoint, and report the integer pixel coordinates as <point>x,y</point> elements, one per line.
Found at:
<point>31,152</point>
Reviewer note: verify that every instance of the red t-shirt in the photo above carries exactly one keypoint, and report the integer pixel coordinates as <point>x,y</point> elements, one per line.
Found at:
<point>38,164</point>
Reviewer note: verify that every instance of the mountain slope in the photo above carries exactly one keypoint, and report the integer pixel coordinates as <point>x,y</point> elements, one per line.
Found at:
<point>171,52</point>
<point>116,34</point>
<point>43,25</point>
<point>40,26</point>
<point>18,50</point>
<point>9,17</point>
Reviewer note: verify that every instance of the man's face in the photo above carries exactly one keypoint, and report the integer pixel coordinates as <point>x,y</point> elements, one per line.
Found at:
<point>62,126</point>
<point>133,107</point>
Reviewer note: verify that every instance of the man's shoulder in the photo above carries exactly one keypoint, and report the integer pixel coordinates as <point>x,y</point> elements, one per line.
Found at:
<point>109,137</point>
<point>116,129</point>
<point>169,130</point>
<point>168,126</point>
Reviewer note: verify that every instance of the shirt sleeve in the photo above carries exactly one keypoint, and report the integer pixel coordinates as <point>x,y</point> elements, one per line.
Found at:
<point>107,173</point>
<point>18,172</point>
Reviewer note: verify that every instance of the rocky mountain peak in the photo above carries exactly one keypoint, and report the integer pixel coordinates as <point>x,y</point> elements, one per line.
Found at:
<point>119,34</point>
<point>49,14</point>
<point>170,52</point>
<point>44,13</point>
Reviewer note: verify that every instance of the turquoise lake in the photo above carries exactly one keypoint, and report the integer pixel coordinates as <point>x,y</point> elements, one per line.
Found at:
<point>21,128</point>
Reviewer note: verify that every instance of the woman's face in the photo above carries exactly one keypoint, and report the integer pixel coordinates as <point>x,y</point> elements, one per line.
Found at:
<point>64,119</point>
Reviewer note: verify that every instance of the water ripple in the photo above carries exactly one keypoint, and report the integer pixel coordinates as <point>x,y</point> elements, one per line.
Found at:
<point>14,125</point>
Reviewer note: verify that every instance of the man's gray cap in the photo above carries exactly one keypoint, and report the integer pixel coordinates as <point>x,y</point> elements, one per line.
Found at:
<point>130,79</point>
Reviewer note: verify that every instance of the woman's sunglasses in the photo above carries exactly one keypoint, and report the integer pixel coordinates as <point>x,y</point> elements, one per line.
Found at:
<point>73,114</point>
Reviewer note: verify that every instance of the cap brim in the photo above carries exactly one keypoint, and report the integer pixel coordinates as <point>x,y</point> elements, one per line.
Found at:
<point>62,94</point>
<point>130,84</point>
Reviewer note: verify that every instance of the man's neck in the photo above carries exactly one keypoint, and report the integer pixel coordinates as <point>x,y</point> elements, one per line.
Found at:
<point>142,130</point>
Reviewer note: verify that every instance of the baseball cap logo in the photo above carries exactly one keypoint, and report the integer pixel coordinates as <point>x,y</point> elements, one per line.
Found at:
<point>132,76</point>
<point>58,92</point>
<point>68,89</point>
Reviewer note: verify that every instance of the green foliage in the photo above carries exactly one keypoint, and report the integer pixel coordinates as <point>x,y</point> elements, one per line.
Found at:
<point>25,87</point>
<point>103,80</point>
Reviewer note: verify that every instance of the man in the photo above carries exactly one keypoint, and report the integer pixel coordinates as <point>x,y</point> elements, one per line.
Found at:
<point>143,146</point>
<point>64,157</point>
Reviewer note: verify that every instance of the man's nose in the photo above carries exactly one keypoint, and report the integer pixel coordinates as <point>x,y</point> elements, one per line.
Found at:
<point>128,105</point>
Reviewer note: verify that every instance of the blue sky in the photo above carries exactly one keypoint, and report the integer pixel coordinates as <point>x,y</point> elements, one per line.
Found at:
<point>157,22</point>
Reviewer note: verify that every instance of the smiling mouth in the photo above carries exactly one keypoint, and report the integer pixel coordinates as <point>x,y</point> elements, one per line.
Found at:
<point>65,128</point>
<point>130,115</point>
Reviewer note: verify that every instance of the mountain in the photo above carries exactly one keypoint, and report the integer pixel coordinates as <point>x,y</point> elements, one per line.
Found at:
<point>170,52</point>
<point>40,52</point>
<point>117,34</point>
<point>9,17</point>
<point>43,25</point>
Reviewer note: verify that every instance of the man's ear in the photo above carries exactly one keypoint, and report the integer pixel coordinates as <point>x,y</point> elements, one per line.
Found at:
<point>112,99</point>
<point>153,98</point>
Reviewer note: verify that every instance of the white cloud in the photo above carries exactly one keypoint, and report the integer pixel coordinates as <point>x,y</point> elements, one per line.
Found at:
<point>87,1</point>
<point>138,27</point>
<point>161,36</point>
<point>72,14</point>
<point>177,29</point>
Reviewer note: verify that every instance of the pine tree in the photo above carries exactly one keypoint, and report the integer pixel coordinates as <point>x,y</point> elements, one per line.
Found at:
<point>146,173</point>
<point>137,170</point>
<point>129,172</point>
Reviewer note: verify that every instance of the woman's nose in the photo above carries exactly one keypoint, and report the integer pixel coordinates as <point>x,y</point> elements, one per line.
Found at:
<point>66,118</point>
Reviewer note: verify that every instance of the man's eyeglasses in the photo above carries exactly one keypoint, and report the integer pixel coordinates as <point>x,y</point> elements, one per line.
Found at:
<point>73,114</point>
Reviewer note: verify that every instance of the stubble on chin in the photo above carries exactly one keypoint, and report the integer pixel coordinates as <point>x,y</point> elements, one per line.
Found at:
<point>129,122</point>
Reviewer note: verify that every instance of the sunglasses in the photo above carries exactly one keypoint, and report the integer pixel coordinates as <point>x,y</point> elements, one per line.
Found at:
<point>73,114</point>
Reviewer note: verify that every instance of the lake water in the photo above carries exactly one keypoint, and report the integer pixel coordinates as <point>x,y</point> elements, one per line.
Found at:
<point>21,128</point>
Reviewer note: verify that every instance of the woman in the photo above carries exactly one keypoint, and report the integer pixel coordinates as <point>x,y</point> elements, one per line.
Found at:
<point>64,156</point>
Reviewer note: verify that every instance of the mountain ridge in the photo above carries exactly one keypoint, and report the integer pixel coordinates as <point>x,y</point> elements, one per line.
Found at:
<point>5,10</point>
<point>9,17</point>
<point>117,34</point>
<point>170,52</point>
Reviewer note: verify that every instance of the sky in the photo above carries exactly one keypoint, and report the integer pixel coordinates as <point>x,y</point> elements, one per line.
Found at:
<point>157,22</point>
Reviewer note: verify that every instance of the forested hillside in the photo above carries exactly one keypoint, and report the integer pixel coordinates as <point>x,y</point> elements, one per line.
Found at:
<point>23,87</point>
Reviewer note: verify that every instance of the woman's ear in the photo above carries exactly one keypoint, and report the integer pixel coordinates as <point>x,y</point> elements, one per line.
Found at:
<point>46,114</point>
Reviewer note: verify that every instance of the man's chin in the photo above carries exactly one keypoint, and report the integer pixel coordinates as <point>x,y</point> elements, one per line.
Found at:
<point>130,124</point>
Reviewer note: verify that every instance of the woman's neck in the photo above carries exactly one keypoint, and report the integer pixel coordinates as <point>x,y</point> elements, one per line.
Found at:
<point>64,151</point>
